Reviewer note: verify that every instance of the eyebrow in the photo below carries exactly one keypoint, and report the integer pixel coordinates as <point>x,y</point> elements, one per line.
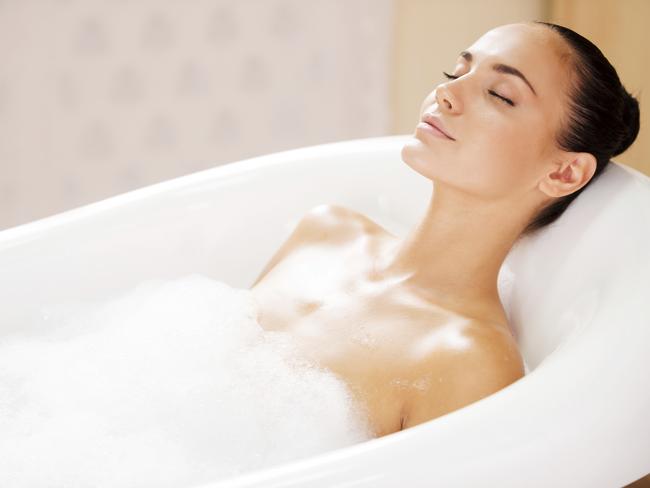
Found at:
<point>502,68</point>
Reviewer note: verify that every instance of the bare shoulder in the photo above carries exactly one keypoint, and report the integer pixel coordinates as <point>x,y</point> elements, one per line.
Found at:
<point>329,220</point>
<point>496,344</point>
<point>326,221</point>
<point>332,224</point>
<point>324,224</point>
<point>489,362</point>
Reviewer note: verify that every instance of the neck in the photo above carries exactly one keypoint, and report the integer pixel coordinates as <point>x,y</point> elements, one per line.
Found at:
<point>453,256</point>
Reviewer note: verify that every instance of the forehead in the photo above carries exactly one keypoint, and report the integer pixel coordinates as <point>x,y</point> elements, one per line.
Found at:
<point>536,51</point>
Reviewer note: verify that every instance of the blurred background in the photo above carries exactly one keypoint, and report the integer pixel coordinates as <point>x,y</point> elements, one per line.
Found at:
<point>99,97</point>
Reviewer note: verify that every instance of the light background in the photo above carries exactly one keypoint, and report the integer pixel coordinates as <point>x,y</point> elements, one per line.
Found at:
<point>99,97</point>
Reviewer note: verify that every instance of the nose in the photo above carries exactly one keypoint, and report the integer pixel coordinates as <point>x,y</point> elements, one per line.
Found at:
<point>447,101</point>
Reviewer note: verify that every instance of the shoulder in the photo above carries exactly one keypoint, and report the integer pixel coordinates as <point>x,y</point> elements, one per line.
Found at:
<point>489,362</point>
<point>492,362</point>
<point>494,344</point>
<point>334,222</point>
<point>324,224</point>
<point>325,216</point>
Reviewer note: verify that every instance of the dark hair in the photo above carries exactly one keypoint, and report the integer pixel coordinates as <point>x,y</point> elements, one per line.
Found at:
<point>602,119</point>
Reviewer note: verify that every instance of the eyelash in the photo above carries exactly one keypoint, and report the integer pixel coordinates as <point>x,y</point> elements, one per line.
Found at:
<point>504,99</point>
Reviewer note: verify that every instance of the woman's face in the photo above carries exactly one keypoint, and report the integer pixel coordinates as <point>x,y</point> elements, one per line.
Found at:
<point>500,150</point>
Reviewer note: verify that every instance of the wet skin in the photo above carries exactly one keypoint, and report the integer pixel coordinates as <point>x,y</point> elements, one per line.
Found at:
<point>405,359</point>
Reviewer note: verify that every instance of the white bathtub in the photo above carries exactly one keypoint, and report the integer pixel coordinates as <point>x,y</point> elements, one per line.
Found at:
<point>578,296</point>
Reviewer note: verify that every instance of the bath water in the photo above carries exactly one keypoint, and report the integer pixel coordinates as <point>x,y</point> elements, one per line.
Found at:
<point>171,383</point>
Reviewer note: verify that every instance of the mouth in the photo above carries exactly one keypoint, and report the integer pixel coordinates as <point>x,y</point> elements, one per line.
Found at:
<point>437,124</point>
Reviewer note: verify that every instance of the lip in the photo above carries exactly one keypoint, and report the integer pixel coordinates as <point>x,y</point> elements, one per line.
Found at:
<point>436,123</point>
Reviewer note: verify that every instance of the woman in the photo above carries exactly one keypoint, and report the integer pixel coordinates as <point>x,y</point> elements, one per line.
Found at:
<point>529,116</point>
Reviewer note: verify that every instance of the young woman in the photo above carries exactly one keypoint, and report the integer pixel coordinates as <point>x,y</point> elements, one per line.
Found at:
<point>530,115</point>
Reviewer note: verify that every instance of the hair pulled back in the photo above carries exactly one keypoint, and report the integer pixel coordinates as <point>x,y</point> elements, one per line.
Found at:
<point>602,117</point>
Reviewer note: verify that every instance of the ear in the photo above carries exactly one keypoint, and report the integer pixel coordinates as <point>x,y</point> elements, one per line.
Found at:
<point>568,175</point>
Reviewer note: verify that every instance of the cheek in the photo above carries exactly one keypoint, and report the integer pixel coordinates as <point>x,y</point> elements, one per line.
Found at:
<point>500,160</point>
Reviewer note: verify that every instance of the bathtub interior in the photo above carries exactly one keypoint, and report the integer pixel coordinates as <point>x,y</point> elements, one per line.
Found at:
<point>226,223</point>
<point>565,289</point>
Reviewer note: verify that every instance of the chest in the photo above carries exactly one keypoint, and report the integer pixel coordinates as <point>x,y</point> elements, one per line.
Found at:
<point>367,332</point>
<point>327,297</point>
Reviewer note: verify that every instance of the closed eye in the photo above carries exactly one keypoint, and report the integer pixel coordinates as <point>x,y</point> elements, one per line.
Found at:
<point>504,99</point>
<point>507,100</point>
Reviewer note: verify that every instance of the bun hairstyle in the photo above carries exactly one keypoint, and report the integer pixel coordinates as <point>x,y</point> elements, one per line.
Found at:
<point>602,117</point>
<point>631,115</point>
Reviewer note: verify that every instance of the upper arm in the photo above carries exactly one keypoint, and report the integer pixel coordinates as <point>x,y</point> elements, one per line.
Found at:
<point>469,378</point>
<point>316,225</point>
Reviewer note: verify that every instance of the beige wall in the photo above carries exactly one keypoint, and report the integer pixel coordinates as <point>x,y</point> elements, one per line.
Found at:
<point>97,97</point>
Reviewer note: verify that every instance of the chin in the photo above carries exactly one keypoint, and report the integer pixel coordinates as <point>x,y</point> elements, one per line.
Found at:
<point>419,159</point>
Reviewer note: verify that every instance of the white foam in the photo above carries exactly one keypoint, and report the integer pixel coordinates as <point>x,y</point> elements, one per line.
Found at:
<point>171,384</point>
